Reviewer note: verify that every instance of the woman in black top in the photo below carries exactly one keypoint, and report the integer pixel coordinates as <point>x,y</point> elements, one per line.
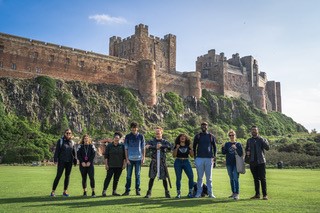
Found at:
<point>86,153</point>
<point>182,151</point>
<point>115,162</point>
<point>64,156</point>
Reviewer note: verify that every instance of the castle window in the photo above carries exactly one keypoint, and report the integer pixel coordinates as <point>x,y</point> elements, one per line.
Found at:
<point>205,73</point>
<point>109,68</point>
<point>1,64</point>
<point>13,66</point>
<point>1,49</point>
<point>81,65</point>
<point>51,58</point>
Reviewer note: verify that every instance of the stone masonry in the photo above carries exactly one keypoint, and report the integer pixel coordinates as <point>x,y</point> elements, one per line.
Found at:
<point>142,62</point>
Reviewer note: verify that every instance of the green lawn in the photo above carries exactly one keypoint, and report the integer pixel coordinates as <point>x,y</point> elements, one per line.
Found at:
<point>27,189</point>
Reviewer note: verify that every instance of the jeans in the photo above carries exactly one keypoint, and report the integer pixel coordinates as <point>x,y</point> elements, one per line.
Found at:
<point>183,165</point>
<point>204,166</point>
<point>234,178</point>
<point>137,165</point>
<point>259,175</point>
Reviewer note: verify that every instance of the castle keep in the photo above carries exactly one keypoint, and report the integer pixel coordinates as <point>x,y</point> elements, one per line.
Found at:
<point>142,62</point>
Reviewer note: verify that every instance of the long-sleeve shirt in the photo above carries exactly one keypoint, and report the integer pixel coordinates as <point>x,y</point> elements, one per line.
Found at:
<point>65,150</point>
<point>204,145</point>
<point>134,144</point>
<point>230,152</point>
<point>86,153</point>
<point>115,155</point>
<point>256,147</point>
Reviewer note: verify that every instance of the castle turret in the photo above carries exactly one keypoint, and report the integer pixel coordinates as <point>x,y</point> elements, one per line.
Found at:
<point>278,92</point>
<point>259,98</point>
<point>172,41</point>
<point>194,84</point>
<point>147,82</point>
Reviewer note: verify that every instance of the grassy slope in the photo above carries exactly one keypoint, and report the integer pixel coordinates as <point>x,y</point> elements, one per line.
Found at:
<point>26,189</point>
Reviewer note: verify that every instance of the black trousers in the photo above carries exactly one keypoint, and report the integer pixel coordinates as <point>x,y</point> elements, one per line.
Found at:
<point>62,166</point>
<point>116,173</point>
<point>164,182</point>
<point>85,171</point>
<point>259,175</point>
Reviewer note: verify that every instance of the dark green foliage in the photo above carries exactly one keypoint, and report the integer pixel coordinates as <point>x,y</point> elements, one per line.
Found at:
<point>47,92</point>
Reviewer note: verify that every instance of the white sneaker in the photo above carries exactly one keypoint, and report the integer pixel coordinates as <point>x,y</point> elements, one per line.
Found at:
<point>212,196</point>
<point>236,196</point>
<point>197,196</point>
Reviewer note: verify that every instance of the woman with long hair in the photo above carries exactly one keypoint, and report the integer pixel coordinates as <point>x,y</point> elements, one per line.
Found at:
<point>86,153</point>
<point>182,150</point>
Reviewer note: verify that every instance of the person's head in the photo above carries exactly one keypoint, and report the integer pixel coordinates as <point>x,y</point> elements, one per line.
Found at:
<point>232,135</point>
<point>86,140</point>
<point>182,138</point>
<point>134,127</point>
<point>254,131</point>
<point>68,134</point>
<point>158,131</point>
<point>204,126</point>
<point>116,137</point>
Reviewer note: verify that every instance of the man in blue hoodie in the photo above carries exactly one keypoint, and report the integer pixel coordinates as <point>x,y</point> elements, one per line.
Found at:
<point>134,144</point>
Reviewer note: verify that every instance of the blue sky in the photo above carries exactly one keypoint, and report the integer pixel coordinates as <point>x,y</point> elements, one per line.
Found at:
<point>283,35</point>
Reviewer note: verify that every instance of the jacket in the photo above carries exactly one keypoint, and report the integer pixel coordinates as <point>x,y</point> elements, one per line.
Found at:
<point>65,151</point>
<point>256,147</point>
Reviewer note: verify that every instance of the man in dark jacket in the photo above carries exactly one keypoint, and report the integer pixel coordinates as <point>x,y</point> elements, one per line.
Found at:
<point>255,149</point>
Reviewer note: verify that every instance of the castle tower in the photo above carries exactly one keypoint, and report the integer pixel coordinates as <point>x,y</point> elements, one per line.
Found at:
<point>278,92</point>
<point>272,94</point>
<point>171,42</point>
<point>259,98</point>
<point>194,84</point>
<point>147,82</point>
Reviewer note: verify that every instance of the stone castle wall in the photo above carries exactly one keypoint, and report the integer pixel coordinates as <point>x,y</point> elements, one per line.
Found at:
<point>142,62</point>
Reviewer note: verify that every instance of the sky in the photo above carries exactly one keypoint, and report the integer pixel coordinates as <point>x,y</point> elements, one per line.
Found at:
<point>282,35</point>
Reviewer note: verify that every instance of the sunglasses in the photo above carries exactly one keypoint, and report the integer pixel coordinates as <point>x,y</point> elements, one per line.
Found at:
<point>231,135</point>
<point>68,133</point>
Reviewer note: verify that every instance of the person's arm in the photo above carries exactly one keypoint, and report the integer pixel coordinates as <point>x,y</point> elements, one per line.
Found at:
<point>93,153</point>
<point>214,145</point>
<point>57,152</point>
<point>143,149</point>
<point>175,150</point>
<point>223,149</point>
<point>239,149</point>
<point>195,144</point>
<point>124,164</point>
<point>265,144</point>
<point>126,149</point>
<point>191,152</point>
<point>79,156</point>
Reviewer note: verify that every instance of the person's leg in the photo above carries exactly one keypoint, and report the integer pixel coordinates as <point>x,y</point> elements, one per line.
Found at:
<point>129,175</point>
<point>189,173</point>
<point>235,179</point>
<point>262,177</point>
<point>165,186</point>
<point>208,172</point>
<point>91,177</point>
<point>200,172</point>
<point>107,180</point>
<point>254,172</point>
<point>230,173</point>
<point>68,167</point>
<point>60,168</point>
<point>150,185</point>
<point>83,172</point>
<point>117,174</point>
<point>178,172</point>
<point>137,175</point>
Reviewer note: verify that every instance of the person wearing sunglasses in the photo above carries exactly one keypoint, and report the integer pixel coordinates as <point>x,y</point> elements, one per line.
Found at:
<point>64,157</point>
<point>229,149</point>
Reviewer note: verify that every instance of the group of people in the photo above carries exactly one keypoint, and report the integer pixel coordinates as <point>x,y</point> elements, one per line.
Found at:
<point>131,155</point>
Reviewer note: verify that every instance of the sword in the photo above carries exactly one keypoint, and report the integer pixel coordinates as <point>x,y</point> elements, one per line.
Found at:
<point>158,163</point>
<point>168,176</point>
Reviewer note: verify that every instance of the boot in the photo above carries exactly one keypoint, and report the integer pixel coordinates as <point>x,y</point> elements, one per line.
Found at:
<point>148,195</point>
<point>167,194</point>
<point>114,193</point>
<point>138,192</point>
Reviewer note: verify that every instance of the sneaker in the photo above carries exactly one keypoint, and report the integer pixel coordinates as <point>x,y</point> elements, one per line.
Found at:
<point>236,196</point>
<point>115,194</point>
<point>265,197</point>
<point>65,194</point>
<point>211,196</point>
<point>85,194</point>
<point>148,195</point>
<point>190,195</point>
<point>52,194</point>
<point>255,197</point>
<point>93,194</point>
<point>231,196</point>
<point>138,192</point>
<point>178,196</point>
<point>104,193</point>
<point>126,193</point>
<point>167,194</point>
<point>197,196</point>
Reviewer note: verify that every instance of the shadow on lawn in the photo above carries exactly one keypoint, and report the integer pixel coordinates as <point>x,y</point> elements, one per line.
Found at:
<point>80,201</point>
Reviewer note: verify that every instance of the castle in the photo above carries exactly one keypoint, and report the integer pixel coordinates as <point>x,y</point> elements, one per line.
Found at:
<point>142,62</point>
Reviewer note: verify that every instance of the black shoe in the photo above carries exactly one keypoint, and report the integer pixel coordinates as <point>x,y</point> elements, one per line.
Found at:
<point>93,194</point>
<point>126,193</point>
<point>85,194</point>
<point>115,194</point>
<point>104,193</point>
<point>167,194</point>
<point>138,192</point>
<point>148,195</point>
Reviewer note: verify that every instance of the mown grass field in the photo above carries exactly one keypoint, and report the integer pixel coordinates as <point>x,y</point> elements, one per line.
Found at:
<point>27,189</point>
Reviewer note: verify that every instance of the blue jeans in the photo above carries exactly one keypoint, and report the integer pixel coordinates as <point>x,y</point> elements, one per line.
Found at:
<point>184,165</point>
<point>234,178</point>
<point>137,165</point>
<point>204,166</point>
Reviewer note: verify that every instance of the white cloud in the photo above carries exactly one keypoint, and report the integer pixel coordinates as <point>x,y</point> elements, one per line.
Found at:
<point>106,19</point>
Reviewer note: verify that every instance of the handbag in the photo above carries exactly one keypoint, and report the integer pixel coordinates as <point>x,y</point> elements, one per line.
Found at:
<point>241,167</point>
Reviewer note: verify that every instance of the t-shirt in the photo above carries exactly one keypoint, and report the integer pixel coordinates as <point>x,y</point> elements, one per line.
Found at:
<point>183,151</point>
